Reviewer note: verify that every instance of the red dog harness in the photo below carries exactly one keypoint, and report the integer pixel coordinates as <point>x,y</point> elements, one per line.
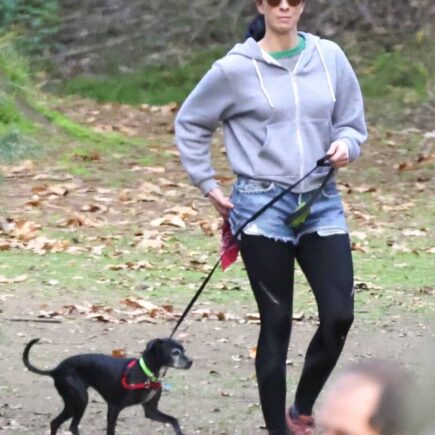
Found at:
<point>143,386</point>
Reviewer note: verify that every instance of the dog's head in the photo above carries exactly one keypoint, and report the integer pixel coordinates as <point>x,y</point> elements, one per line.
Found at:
<point>167,352</point>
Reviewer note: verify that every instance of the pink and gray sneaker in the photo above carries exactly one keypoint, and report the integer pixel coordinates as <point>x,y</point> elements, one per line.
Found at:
<point>299,424</point>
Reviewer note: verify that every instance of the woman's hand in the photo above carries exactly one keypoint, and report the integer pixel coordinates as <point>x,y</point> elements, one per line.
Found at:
<point>222,204</point>
<point>338,154</point>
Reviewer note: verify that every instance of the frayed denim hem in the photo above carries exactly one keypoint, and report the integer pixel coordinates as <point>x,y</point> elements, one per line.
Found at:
<point>332,231</point>
<point>253,229</point>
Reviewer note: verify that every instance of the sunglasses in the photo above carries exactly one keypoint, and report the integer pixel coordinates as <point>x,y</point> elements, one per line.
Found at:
<point>275,3</point>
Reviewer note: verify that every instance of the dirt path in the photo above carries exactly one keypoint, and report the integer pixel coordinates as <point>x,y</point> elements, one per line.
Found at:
<point>217,396</point>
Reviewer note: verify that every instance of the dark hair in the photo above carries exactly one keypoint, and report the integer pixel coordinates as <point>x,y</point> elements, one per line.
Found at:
<point>395,383</point>
<point>257,28</point>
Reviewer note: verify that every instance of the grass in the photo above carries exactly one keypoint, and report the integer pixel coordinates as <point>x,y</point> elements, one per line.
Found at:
<point>31,129</point>
<point>394,283</point>
<point>22,133</point>
<point>395,79</point>
<point>392,70</point>
<point>152,85</point>
<point>16,130</point>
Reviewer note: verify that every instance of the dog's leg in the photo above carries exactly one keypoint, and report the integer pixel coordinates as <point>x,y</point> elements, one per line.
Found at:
<point>154,414</point>
<point>79,410</point>
<point>62,387</point>
<point>61,418</point>
<point>112,416</point>
<point>74,393</point>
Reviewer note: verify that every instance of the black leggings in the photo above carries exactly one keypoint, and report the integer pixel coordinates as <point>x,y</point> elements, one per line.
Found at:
<point>327,264</point>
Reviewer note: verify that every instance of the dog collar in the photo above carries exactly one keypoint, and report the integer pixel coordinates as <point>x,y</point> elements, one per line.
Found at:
<point>147,371</point>
<point>152,384</point>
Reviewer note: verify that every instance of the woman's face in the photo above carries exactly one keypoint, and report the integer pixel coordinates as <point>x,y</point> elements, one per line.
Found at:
<point>281,16</point>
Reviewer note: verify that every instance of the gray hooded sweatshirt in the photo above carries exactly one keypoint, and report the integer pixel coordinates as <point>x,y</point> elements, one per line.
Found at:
<point>277,123</point>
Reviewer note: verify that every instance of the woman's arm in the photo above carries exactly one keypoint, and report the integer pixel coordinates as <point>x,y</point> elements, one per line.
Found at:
<point>348,120</point>
<point>210,102</point>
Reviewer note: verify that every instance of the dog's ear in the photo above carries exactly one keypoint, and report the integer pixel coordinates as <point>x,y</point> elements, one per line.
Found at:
<point>154,345</point>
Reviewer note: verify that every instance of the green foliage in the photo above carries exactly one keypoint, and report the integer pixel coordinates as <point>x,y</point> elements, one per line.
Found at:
<point>17,129</point>
<point>37,21</point>
<point>83,133</point>
<point>153,85</point>
<point>392,71</point>
<point>14,145</point>
<point>9,113</point>
<point>14,68</point>
<point>15,142</point>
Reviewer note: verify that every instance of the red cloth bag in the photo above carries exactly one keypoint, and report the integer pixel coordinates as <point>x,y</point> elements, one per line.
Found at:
<point>229,246</point>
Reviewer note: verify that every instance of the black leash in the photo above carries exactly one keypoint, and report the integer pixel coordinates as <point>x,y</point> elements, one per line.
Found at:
<point>300,212</point>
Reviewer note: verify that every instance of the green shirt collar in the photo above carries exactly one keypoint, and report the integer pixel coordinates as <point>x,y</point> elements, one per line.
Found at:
<point>292,51</point>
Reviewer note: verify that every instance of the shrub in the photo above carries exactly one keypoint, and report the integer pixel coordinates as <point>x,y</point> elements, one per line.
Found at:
<point>394,70</point>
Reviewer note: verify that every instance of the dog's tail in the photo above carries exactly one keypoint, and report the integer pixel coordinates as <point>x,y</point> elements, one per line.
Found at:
<point>27,362</point>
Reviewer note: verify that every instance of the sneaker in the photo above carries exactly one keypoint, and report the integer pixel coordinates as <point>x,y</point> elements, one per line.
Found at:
<point>301,425</point>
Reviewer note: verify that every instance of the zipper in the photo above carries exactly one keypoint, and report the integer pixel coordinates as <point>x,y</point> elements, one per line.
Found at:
<point>298,127</point>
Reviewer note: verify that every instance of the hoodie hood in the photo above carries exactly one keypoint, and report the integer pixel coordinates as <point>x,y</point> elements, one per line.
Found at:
<point>251,50</point>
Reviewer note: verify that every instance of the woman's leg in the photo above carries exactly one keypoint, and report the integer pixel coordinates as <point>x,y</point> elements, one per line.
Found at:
<point>270,268</point>
<point>327,264</point>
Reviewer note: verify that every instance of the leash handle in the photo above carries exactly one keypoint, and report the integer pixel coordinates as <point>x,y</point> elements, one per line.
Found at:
<point>321,162</point>
<point>324,161</point>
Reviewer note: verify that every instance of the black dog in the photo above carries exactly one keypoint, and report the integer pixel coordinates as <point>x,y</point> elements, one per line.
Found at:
<point>121,382</point>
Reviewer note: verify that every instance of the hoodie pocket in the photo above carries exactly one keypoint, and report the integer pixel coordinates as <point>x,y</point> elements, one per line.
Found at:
<point>280,154</point>
<point>317,137</point>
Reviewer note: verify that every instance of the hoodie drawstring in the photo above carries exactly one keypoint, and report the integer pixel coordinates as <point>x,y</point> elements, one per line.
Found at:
<point>328,76</point>
<point>322,58</point>
<point>262,83</point>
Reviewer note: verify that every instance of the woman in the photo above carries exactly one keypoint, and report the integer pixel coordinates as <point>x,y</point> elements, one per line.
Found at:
<point>286,99</point>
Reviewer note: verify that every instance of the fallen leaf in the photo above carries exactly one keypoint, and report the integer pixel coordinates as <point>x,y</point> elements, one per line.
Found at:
<point>253,352</point>
<point>40,189</point>
<point>26,167</point>
<point>298,316</point>
<point>210,228</point>
<point>365,189</point>
<point>35,202</point>
<point>18,279</point>
<point>414,233</point>
<point>150,188</point>
<point>118,353</point>
<point>221,316</point>
<point>94,208</point>
<point>183,212</point>
<point>124,195</point>
<point>139,303</point>
<point>58,190</point>
<point>175,221</point>
<point>358,247</point>
<point>25,230</point>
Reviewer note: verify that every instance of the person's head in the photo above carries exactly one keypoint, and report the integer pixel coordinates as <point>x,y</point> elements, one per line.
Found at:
<point>367,399</point>
<point>280,17</point>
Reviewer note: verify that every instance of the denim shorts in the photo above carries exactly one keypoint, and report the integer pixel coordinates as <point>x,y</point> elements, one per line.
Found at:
<point>249,195</point>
